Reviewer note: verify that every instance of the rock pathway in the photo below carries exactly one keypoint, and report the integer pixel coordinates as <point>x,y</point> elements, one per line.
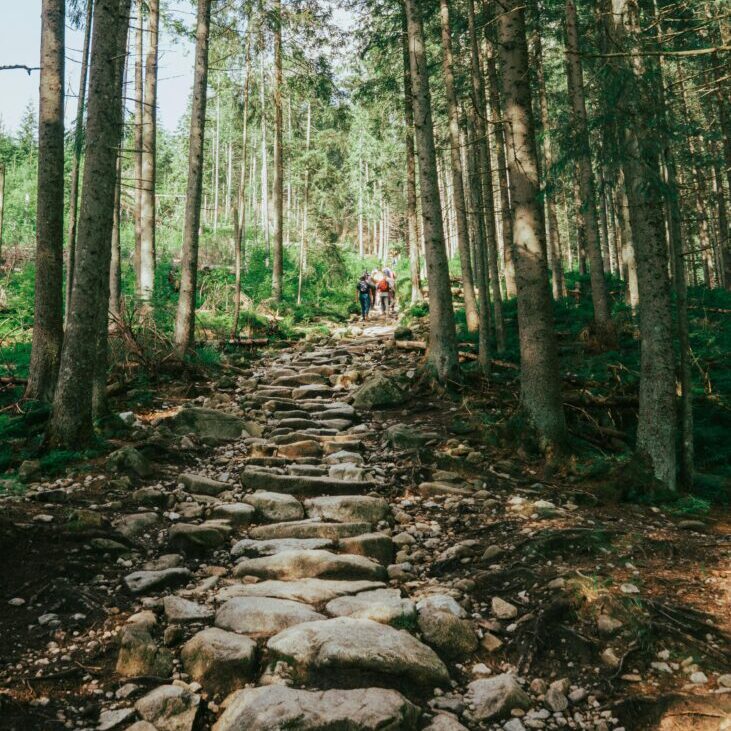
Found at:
<point>285,585</point>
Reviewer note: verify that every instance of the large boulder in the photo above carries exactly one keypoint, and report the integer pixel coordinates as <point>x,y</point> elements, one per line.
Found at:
<point>349,652</point>
<point>376,392</point>
<point>134,525</point>
<point>202,485</point>
<point>449,635</point>
<point>211,425</point>
<point>128,459</point>
<point>139,582</point>
<point>278,707</point>
<point>251,548</point>
<point>220,661</point>
<point>495,697</point>
<point>263,616</point>
<point>196,540</point>
<point>311,565</point>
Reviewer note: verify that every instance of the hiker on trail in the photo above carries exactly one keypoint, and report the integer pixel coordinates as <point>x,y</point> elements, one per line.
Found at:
<point>384,295</point>
<point>365,295</point>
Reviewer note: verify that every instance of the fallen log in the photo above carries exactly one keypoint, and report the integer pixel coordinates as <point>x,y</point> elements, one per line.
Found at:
<point>421,346</point>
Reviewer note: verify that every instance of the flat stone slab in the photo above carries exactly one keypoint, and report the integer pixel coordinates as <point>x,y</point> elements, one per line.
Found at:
<point>182,610</point>
<point>220,661</point>
<point>311,565</point>
<point>142,581</point>
<point>251,548</point>
<point>433,489</point>
<point>263,616</point>
<point>275,506</point>
<point>200,538</point>
<point>309,591</point>
<point>278,707</point>
<point>202,485</point>
<point>381,605</point>
<point>352,652</point>
<point>302,484</point>
<point>314,390</point>
<point>348,508</point>
<point>309,529</point>
<point>237,514</point>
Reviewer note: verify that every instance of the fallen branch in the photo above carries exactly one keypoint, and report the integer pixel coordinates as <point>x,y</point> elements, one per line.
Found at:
<point>420,345</point>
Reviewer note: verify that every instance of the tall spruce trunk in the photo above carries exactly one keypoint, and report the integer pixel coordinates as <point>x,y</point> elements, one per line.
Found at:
<point>558,281</point>
<point>139,100</point>
<point>587,188</point>
<point>71,421</point>
<point>78,144</point>
<point>540,381</point>
<point>48,308</point>
<point>149,144</point>
<point>239,212</point>
<point>506,213</point>
<point>412,219</point>
<point>657,421</point>
<point>185,317</point>
<point>463,242</point>
<point>491,275</point>
<point>99,407</point>
<point>306,207</point>
<point>278,192</point>
<point>2,205</point>
<point>442,349</point>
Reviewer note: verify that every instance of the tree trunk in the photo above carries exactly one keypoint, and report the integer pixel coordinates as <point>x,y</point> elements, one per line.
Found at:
<point>139,104</point>
<point>491,275</point>
<point>278,264</point>
<point>539,371</point>
<point>553,233</point>
<point>412,219</point>
<point>303,240</point>
<point>506,214</point>
<point>78,143</point>
<point>216,162</point>
<point>185,317</point>
<point>463,243</point>
<point>71,422</point>
<point>657,423</point>
<point>587,189</point>
<point>240,205</point>
<point>99,406</point>
<point>442,351</point>
<point>478,226</point>
<point>149,136</point>
<point>264,203</point>
<point>48,309</point>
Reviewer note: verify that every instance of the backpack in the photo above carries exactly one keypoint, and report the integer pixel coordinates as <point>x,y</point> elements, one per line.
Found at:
<point>383,285</point>
<point>363,286</point>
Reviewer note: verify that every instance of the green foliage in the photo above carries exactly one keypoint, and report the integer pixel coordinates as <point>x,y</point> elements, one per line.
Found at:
<point>690,505</point>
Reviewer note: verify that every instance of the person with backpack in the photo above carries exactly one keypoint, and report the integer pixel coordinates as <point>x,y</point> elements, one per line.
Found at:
<point>363,290</point>
<point>390,277</point>
<point>384,295</point>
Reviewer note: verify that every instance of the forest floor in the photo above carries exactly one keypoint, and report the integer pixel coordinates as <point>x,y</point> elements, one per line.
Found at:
<point>457,569</point>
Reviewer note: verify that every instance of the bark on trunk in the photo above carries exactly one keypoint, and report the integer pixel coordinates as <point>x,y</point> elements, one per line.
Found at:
<point>553,233</point>
<point>657,423</point>
<point>78,143</point>
<point>149,137</point>
<point>2,205</point>
<point>115,267</point>
<point>48,309</point>
<point>491,275</point>
<point>463,243</point>
<point>539,371</point>
<point>303,240</point>
<point>412,219</point>
<point>278,193</point>
<point>506,213</point>
<point>442,352</point>
<point>239,213</point>
<point>139,102</point>
<point>185,318</point>
<point>71,422</point>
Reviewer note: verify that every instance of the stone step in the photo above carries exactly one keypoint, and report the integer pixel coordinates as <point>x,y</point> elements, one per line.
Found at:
<point>301,485</point>
<point>348,508</point>
<point>279,707</point>
<point>315,390</point>
<point>310,591</point>
<point>309,529</point>
<point>250,548</point>
<point>380,605</point>
<point>345,652</point>
<point>275,507</point>
<point>311,564</point>
<point>202,485</point>
<point>299,379</point>
<point>263,616</point>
